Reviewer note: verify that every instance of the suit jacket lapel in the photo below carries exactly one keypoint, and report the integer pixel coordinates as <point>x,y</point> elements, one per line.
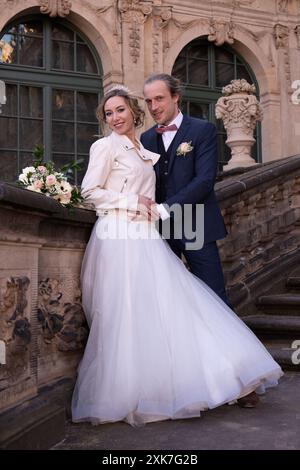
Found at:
<point>179,138</point>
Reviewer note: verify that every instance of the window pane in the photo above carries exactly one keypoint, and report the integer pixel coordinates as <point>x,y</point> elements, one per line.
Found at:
<point>183,107</point>
<point>8,166</point>
<point>63,104</point>
<point>31,134</point>
<point>8,49</point>
<point>10,108</point>
<point>198,72</point>
<point>199,110</point>
<point>8,134</point>
<point>85,60</point>
<point>63,55</point>
<point>223,55</point>
<point>198,51</point>
<point>242,73</point>
<point>86,136</point>
<point>31,27</point>
<point>86,106</point>
<point>63,137</point>
<point>31,101</point>
<point>61,160</point>
<point>179,69</point>
<point>31,51</point>
<point>224,74</point>
<point>223,149</point>
<point>82,171</point>
<point>61,33</point>
<point>25,159</point>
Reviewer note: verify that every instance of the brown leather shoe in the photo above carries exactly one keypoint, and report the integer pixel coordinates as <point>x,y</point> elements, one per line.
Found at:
<point>249,401</point>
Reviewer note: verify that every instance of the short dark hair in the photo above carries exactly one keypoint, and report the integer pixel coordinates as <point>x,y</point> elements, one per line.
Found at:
<point>173,84</point>
<point>137,111</point>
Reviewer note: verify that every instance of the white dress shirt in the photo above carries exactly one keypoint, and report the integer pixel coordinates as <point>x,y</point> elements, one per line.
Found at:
<point>168,136</point>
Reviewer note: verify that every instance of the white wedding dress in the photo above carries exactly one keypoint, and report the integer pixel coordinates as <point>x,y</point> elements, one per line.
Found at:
<point>162,344</point>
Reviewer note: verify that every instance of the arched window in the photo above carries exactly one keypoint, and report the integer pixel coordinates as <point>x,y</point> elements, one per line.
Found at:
<point>204,69</point>
<point>53,81</point>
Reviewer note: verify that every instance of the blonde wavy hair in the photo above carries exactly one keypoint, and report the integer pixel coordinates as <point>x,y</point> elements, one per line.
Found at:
<point>132,102</point>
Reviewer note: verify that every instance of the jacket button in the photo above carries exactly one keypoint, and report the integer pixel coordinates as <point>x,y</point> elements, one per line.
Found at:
<point>165,173</point>
<point>166,161</point>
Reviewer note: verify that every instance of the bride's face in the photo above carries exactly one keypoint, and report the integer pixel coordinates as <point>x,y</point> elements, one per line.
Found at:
<point>118,115</point>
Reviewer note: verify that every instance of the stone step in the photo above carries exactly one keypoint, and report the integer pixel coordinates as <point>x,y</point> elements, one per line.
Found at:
<point>293,283</point>
<point>274,325</point>
<point>287,356</point>
<point>288,304</point>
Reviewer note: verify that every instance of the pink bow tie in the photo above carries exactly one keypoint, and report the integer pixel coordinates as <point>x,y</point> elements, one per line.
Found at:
<point>162,129</point>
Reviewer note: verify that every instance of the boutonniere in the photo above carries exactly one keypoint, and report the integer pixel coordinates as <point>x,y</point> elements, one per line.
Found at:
<point>184,148</point>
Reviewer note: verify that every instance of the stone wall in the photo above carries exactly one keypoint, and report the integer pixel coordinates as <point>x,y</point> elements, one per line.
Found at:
<point>42,323</point>
<point>261,208</point>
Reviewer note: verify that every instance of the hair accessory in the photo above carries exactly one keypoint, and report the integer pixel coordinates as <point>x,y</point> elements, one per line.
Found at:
<point>120,87</point>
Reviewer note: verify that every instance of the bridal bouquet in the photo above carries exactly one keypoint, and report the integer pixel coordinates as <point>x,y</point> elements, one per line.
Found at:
<point>42,178</point>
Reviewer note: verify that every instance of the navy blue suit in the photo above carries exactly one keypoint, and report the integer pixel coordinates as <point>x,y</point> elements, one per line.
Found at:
<point>190,179</point>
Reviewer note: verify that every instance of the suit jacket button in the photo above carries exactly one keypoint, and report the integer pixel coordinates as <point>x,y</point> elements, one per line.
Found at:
<point>165,173</point>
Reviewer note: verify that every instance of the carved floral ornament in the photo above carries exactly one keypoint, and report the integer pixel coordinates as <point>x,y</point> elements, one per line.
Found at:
<point>55,8</point>
<point>134,10</point>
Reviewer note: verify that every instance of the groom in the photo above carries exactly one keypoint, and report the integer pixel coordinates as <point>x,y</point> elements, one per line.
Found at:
<point>187,178</point>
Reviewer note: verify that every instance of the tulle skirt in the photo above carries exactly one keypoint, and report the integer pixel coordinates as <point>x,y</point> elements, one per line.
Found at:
<point>162,344</point>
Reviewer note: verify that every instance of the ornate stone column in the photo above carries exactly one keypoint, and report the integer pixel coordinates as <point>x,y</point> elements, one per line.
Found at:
<point>240,110</point>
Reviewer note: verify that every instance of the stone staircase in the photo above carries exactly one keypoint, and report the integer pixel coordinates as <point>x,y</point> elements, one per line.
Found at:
<point>277,323</point>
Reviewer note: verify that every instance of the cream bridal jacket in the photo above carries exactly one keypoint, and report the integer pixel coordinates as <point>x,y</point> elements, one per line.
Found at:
<point>117,173</point>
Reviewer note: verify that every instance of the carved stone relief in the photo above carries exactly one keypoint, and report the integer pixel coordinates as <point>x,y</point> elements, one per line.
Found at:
<point>136,13</point>
<point>221,31</point>
<point>55,8</point>
<point>62,322</point>
<point>282,5</point>
<point>297,32</point>
<point>14,324</point>
<point>281,35</point>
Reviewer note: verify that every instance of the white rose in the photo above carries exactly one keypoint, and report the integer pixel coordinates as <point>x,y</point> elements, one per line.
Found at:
<point>184,147</point>
<point>28,169</point>
<point>23,178</point>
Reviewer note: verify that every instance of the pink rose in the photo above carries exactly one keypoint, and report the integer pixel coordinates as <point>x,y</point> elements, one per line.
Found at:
<point>50,180</point>
<point>42,169</point>
<point>38,184</point>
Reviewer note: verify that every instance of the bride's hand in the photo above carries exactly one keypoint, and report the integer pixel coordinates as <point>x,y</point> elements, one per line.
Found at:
<point>147,207</point>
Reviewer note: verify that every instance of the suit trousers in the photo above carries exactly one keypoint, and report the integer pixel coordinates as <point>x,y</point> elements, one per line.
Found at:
<point>205,264</point>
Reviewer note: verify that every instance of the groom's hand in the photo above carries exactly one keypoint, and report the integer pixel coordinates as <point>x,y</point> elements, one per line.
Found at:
<point>148,208</point>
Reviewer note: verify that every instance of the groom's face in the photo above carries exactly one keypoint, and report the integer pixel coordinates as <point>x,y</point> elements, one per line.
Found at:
<point>162,105</point>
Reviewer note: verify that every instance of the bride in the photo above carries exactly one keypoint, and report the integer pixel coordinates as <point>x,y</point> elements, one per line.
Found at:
<point>162,344</point>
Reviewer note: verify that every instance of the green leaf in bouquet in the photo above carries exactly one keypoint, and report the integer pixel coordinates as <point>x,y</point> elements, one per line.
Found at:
<point>38,154</point>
